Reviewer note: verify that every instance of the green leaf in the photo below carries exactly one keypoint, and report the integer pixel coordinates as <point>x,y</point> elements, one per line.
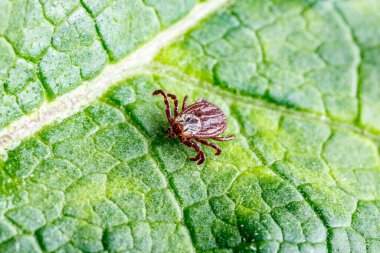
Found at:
<point>298,81</point>
<point>48,48</point>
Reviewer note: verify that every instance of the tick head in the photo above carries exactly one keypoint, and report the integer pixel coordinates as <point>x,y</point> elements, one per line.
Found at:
<point>171,133</point>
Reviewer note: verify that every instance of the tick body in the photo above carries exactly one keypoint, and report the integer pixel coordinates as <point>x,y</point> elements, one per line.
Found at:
<point>195,123</point>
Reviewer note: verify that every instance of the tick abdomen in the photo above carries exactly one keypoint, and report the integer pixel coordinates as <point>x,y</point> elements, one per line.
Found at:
<point>212,120</point>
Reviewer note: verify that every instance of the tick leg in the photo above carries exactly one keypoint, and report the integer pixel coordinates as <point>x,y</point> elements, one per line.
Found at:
<point>214,146</point>
<point>174,97</point>
<point>200,155</point>
<point>220,138</point>
<point>165,95</point>
<point>184,103</point>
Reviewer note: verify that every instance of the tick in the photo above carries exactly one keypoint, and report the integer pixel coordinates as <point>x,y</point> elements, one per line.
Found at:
<point>195,123</point>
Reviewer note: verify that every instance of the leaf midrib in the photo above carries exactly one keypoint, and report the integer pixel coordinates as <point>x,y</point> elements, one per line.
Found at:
<point>139,62</point>
<point>72,102</point>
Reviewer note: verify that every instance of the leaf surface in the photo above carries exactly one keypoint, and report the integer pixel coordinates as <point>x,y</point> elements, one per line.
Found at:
<point>48,48</point>
<point>297,81</point>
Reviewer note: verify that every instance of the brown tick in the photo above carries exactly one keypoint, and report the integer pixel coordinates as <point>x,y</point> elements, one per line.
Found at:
<point>198,121</point>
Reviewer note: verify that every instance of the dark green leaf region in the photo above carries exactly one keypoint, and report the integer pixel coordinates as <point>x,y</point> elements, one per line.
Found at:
<point>50,47</point>
<point>298,80</point>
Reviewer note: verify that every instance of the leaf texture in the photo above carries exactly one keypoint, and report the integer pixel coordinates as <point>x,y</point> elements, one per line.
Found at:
<point>48,48</point>
<point>298,83</point>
